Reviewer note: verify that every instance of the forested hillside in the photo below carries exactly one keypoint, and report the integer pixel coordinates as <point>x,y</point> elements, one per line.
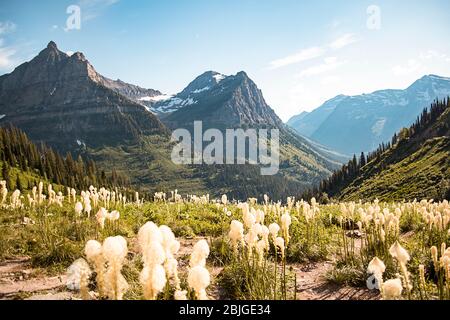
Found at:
<point>415,164</point>
<point>22,158</point>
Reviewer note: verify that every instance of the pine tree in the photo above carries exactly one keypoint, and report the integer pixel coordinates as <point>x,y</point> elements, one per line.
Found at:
<point>362,160</point>
<point>340,179</point>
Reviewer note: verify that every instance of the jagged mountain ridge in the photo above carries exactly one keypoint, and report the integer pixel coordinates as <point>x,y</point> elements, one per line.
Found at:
<point>63,101</point>
<point>199,85</point>
<point>227,102</point>
<point>219,101</point>
<point>369,119</point>
<point>131,91</point>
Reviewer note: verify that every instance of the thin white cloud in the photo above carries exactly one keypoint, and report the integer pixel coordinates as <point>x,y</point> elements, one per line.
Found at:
<point>7,27</point>
<point>432,54</point>
<point>6,55</point>
<point>94,3</point>
<point>303,55</point>
<point>329,64</point>
<point>343,41</point>
<point>426,62</point>
<point>412,66</point>
<point>91,9</point>
<point>313,52</point>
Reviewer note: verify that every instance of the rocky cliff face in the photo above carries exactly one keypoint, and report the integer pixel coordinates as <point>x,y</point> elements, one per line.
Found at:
<point>63,101</point>
<point>131,91</point>
<point>222,102</point>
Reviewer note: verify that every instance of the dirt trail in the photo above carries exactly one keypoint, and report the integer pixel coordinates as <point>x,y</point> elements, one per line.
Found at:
<point>311,281</point>
<point>19,281</point>
<point>312,285</point>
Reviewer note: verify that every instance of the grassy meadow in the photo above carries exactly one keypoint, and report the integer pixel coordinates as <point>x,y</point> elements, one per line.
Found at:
<point>189,247</point>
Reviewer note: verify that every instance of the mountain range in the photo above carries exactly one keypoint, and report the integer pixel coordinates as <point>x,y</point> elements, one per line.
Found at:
<point>354,124</point>
<point>414,165</point>
<point>63,101</point>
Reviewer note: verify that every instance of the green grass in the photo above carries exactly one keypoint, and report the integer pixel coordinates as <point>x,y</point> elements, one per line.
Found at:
<point>420,175</point>
<point>57,238</point>
<point>28,178</point>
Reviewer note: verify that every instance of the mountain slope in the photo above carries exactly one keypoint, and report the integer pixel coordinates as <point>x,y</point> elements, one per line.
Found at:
<point>229,102</point>
<point>295,120</point>
<point>222,102</point>
<point>24,164</point>
<point>307,124</point>
<point>423,174</point>
<point>197,88</point>
<point>369,119</point>
<point>417,165</point>
<point>131,91</point>
<point>63,101</point>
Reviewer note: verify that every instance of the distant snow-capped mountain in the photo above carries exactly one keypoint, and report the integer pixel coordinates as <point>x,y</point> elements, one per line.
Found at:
<point>219,101</point>
<point>352,124</point>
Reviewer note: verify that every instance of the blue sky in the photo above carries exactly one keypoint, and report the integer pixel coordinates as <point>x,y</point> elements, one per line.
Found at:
<point>300,53</point>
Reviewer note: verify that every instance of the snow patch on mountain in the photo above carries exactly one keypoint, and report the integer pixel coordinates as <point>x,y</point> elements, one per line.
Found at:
<point>161,97</point>
<point>81,143</point>
<point>172,104</point>
<point>201,90</point>
<point>219,77</point>
<point>188,102</point>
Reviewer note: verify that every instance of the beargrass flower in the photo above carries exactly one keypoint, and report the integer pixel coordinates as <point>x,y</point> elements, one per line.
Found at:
<point>199,280</point>
<point>392,289</point>
<point>399,253</point>
<point>199,254</point>
<point>274,228</point>
<point>279,242</point>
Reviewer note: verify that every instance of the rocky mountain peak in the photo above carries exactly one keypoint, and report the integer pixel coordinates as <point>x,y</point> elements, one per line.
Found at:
<point>52,45</point>
<point>63,101</point>
<point>51,54</point>
<point>222,101</point>
<point>242,74</point>
<point>203,82</point>
<point>428,81</point>
<point>78,56</point>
